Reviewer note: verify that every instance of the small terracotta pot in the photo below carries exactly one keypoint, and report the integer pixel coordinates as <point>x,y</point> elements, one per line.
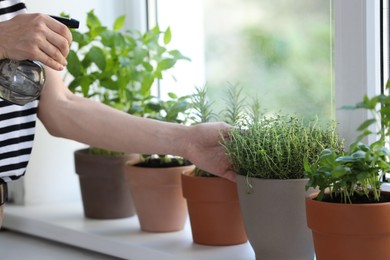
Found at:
<point>214,210</point>
<point>104,190</point>
<point>157,197</point>
<point>349,231</point>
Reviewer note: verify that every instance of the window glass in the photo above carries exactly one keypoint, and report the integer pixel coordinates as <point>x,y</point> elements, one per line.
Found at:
<point>277,50</point>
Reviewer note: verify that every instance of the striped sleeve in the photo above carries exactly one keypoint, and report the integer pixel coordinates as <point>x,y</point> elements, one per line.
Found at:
<point>17,123</point>
<point>17,131</point>
<point>10,8</point>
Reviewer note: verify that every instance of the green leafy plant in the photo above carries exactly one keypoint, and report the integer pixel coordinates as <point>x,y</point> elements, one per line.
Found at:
<point>276,147</point>
<point>355,176</point>
<point>176,109</point>
<point>119,69</point>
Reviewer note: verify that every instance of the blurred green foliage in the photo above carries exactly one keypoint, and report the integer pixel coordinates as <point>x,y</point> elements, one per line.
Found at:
<point>278,50</point>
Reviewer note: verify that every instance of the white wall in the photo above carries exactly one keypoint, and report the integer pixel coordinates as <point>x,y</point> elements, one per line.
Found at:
<point>105,10</point>
<point>50,176</point>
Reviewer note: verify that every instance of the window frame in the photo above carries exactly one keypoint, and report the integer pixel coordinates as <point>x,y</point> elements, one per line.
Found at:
<point>357,60</point>
<point>136,14</point>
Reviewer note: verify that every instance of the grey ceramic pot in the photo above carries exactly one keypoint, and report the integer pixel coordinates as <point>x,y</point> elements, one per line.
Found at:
<point>275,218</point>
<point>104,190</point>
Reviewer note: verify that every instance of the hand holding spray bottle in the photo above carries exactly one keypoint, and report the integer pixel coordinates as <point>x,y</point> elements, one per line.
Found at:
<point>22,81</point>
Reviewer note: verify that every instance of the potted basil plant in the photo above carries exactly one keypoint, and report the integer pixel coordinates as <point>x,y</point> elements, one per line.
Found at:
<point>349,216</point>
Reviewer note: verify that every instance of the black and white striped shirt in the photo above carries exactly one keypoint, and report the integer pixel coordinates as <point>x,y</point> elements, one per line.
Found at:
<point>17,123</point>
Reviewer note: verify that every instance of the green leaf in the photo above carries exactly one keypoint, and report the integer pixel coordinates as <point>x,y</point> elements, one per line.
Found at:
<point>363,176</point>
<point>306,165</point>
<point>166,64</point>
<point>77,36</point>
<point>167,36</point>
<point>74,84</point>
<point>119,22</point>
<point>178,55</point>
<point>82,39</point>
<point>366,124</point>
<point>147,66</point>
<point>172,95</point>
<point>358,155</point>
<point>345,159</point>
<point>109,84</point>
<point>339,171</point>
<point>147,84</point>
<point>97,31</point>
<point>85,83</point>
<point>92,20</point>
<point>74,64</point>
<point>96,55</point>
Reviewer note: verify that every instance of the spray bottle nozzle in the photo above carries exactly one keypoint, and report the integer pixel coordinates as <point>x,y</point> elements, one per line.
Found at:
<point>70,22</point>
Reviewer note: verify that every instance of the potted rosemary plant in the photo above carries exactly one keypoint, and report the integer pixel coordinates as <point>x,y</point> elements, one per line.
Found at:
<point>268,154</point>
<point>118,69</point>
<point>349,216</point>
<point>213,205</point>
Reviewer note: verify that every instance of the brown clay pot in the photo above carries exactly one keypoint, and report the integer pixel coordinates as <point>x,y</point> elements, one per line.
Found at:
<point>104,191</point>
<point>349,231</point>
<point>157,197</point>
<point>214,210</point>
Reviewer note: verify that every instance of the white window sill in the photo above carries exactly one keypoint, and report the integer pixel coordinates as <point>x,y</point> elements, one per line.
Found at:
<point>122,238</point>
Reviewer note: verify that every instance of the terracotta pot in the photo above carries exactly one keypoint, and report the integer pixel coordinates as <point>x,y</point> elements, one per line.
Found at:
<point>104,191</point>
<point>157,197</point>
<point>349,231</point>
<point>214,210</point>
<point>275,218</point>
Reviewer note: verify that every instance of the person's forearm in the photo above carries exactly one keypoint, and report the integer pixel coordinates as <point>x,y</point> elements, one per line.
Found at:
<point>105,127</point>
<point>69,116</point>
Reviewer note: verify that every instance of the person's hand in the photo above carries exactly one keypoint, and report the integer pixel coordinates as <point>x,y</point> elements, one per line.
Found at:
<point>35,37</point>
<point>206,152</point>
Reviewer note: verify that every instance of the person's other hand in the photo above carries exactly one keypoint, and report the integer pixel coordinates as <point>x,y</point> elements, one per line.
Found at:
<point>206,152</point>
<point>35,37</point>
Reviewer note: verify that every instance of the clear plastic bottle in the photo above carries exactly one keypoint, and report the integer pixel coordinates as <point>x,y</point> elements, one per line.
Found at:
<point>21,81</point>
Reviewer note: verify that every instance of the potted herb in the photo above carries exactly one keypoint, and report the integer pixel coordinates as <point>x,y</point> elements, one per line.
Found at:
<point>154,180</point>
<point>349,215</point>
<point>118,69</point>
<point>213,205</point>
<point>268,154</point>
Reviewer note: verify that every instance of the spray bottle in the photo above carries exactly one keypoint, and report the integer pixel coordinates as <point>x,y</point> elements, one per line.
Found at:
<point>21,81</point>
